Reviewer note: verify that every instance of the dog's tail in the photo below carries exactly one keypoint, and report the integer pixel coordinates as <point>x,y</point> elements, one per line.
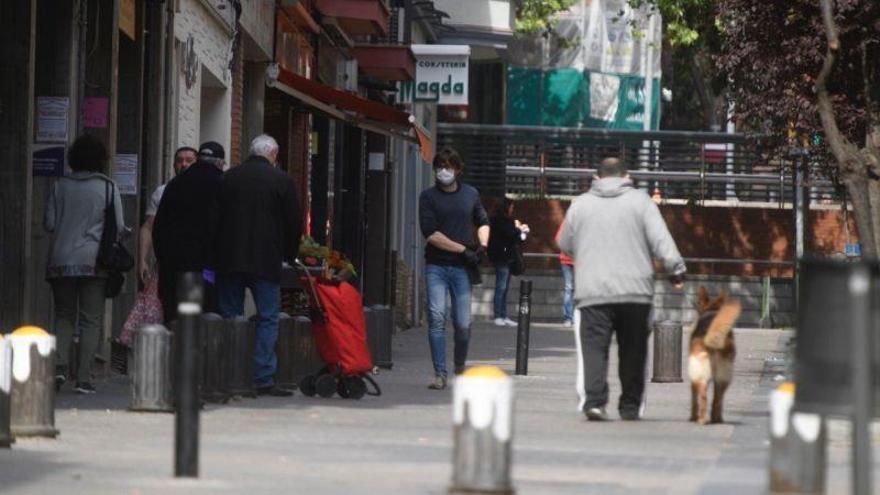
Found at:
<point>722,324</point>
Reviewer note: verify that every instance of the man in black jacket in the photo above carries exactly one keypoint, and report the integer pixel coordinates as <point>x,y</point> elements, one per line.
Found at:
<point>186,225</point>
<point>260,227</point>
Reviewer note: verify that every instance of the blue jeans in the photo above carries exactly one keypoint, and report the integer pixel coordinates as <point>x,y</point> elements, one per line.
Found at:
<point>267,296</point>
<point>502,284</point>
<point>568,292</point>
<point>440,281</point>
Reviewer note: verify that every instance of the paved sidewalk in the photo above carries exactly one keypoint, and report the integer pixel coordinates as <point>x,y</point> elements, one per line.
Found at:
<point>400,443</point>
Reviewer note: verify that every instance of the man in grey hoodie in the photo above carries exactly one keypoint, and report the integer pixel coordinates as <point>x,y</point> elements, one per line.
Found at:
<point>614,232</point>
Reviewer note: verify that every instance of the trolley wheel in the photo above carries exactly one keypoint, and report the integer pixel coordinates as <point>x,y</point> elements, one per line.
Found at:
<point>357,388</point>
<point>307,385</point>
<point>342,388</point>
<point>325,385</point>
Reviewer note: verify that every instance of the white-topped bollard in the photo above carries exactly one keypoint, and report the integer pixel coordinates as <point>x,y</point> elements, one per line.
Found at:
<point>33,382</point>
<point>483,431</point>
<point>797,446</point>
<point>5,389</point>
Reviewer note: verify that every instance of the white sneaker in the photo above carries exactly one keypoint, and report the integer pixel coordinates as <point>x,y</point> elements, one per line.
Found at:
<point>510,323</point>
<point>596,414</point>
<point>499,322</point>
<point>567,324</point>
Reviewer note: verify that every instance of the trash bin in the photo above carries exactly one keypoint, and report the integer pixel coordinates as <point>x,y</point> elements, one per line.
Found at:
<point>380,328</point>
<point>213,346</point>
<point>151,385</point>
<point>240,356</point>
<point>667,352</point>
<point>33,383</point>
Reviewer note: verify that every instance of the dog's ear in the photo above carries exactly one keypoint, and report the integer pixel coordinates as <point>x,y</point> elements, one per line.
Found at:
<point>702,298</point>
<point>722,298</point>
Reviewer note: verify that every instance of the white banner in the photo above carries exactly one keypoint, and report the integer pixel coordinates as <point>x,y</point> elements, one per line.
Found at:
<point>441,75</point>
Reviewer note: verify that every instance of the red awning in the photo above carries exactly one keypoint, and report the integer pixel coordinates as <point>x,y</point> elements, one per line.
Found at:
<point>357,17</point>
<point>364,113</point>
<point>388,62</point>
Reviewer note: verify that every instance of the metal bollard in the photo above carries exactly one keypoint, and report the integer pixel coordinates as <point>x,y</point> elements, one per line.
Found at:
<point>186,427</point>
<point>151,370</point>
<point>797,446</point>
<point>380,328</point>
<point>284,350</point>
<point>482,408</point>
<point>522,327</point>
<point>33,383</point>
<point>667,352</point>
<point>5,388</point>
<point>213,339</point>
<point>306,360</point>
<point>240,356</point>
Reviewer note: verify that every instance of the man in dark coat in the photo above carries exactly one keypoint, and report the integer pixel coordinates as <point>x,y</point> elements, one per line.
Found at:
<point>186,226</point>
<point>260,227</point>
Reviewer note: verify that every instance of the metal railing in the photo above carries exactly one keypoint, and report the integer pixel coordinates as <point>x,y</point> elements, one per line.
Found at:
<point>533,161</point>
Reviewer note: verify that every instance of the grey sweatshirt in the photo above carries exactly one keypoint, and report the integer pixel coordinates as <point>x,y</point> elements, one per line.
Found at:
<point>613,232</point>
<point>75,217</point>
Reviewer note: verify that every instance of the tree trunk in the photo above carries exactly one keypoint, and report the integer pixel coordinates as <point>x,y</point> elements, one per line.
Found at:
<point>859,191</point>
<point>708,100</point>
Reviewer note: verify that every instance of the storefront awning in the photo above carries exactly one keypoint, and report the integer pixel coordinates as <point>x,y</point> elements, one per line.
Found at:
<point>366,114</point>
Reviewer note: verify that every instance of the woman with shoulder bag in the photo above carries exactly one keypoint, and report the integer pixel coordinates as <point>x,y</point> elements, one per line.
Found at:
<point>75,216</point>
<point>505,236</point>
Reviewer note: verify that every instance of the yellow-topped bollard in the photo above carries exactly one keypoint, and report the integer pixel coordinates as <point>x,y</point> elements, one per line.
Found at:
<point>797,446</point>
<point>33,382</point>
<point>482,413</point>
<point>5,391</point>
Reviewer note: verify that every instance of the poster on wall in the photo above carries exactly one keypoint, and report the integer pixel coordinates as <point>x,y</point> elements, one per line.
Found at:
<point>441,75</point>
<point>52,117</point>
<point>125,171</point>
<point>94,113</point>
<point>48,160</point>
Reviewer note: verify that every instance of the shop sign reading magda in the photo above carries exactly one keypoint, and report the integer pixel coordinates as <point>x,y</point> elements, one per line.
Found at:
<point>441,75</point>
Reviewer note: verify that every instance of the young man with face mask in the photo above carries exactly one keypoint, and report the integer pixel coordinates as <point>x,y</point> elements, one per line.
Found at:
<point>449,213</point>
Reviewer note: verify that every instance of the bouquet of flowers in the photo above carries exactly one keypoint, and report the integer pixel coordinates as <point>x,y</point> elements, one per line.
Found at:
<point>334,264</point>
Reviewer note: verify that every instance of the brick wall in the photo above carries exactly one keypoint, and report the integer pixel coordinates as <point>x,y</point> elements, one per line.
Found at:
<point>712,232</point>
<point>235,144</point>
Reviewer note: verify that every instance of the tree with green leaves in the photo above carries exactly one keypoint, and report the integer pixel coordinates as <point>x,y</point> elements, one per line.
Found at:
<point>536,16</point>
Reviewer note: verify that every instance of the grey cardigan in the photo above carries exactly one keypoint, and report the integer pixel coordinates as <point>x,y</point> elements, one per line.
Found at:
<point>613,232</point>
<point>75,217</point>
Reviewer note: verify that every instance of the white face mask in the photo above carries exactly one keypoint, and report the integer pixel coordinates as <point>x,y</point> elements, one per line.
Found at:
<point>445,176</point>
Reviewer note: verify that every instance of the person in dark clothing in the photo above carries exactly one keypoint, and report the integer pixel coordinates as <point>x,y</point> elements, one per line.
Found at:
<point>506,232</point>
<point>186,226</point>
<point>260,228</point>
<point>448,214</point>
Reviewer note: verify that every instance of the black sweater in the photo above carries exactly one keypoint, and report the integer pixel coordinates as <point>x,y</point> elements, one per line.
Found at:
<point>502,236</point>
<point>455,215</point>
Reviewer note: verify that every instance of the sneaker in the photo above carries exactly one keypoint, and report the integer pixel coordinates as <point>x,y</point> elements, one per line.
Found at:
<point>84,388</point>
<point>60,377</point>
<point>499,322</point>
<point>274,391</point>
<point>459,369</point>
<point>567,324</point>
<point>439,383</point>
<point>596,414</point>
<point>630,415</point>
<point>510,323</point>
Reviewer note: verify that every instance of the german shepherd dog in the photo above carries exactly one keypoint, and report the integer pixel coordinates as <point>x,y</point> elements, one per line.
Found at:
<point>712,352</point>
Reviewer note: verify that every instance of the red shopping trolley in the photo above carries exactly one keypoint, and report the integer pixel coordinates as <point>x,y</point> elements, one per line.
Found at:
<point>340,332</point>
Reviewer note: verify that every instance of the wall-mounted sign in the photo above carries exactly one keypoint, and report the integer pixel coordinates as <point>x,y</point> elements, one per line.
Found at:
<point>48,160</point>
<point>125,172</point>
<point>441,75</point>
<point>52,114</point>
<point>95,112</point>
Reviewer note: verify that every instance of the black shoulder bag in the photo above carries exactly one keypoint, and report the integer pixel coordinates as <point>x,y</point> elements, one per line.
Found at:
<point>112,255</point>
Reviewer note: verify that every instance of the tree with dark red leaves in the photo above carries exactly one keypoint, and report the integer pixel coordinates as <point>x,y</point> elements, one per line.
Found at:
<point>800,71</point>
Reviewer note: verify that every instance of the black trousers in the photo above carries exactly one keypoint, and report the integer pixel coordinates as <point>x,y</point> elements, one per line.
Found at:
<point>630,323</point>
<point>168,280</point>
